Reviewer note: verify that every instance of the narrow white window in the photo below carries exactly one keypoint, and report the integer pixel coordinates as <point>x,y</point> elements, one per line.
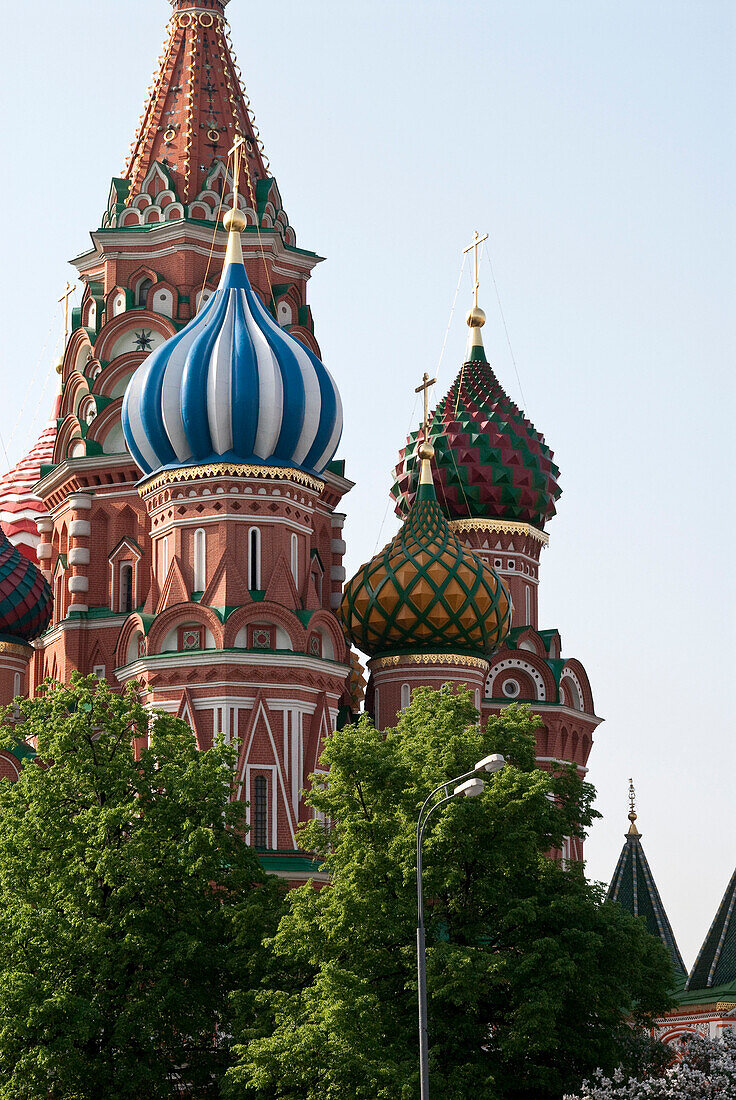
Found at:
<point>295,559</point>
<point>477,699</point>
<point>200,560</point>
<point>405,696</point>
<point>164,559</point>
<point>254,558</point>
<point>16,684</point>
<point>376,710</point>
<point>528,604</point>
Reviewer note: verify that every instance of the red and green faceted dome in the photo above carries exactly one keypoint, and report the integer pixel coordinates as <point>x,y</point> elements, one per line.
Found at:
<point>490,461</point>
<point>426,593</point>
<point>25,597</point>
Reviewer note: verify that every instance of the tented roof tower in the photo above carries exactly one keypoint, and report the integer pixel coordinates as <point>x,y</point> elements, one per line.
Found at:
<point>634,888</point>
<point>716,961</point>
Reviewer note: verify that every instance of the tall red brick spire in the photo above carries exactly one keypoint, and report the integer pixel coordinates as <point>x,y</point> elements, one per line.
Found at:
<point>196,106</point>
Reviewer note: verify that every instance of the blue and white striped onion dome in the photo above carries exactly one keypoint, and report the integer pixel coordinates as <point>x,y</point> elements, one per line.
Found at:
<point>232,386</point>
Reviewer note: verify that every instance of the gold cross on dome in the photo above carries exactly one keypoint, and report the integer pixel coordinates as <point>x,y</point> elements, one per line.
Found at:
<point>426,383</point>
<point>477,242</point>
<point>68,291</point>
<point>235,154</point>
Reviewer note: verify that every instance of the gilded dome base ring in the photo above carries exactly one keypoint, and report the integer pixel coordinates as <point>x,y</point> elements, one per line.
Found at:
<point>230,469</point>
<point>462,660</point>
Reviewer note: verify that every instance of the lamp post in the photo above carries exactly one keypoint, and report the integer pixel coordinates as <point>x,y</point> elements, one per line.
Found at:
<point>468,786</point>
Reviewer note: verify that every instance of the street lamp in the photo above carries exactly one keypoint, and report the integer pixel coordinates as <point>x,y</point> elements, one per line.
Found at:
<point>464,786</point>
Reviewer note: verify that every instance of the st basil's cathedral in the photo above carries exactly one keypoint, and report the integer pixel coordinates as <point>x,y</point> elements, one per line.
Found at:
<point>179,522</point>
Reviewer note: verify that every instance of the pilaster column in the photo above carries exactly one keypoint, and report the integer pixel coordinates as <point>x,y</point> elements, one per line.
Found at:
<point>78,557</point>
<point>45,526</point>
<point>337,569</point>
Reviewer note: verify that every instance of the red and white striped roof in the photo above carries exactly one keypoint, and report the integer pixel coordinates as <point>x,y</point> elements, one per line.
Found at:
<point>19,508</point>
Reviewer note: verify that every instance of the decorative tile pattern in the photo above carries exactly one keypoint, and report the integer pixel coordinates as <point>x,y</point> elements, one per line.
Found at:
<point>25,597</point>
<point>426,592</point>
<point>490,461</point>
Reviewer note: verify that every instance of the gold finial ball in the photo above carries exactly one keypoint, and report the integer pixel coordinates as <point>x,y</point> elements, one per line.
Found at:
<point>234,221</point>
<point>59,366</point>
<point>426,450</point>
<point>475,317</point>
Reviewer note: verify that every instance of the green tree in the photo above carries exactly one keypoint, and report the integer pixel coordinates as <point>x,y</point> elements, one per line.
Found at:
<point>531,974</point>
<point>125,889</point>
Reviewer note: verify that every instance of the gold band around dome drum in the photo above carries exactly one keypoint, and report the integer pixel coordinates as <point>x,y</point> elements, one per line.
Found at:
<point>461,659</point>
<point>503,526</point>
<point>230,469</point>
<point>16,649</point>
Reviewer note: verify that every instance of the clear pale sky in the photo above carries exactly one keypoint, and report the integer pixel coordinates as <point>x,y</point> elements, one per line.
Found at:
<point>594,141</point>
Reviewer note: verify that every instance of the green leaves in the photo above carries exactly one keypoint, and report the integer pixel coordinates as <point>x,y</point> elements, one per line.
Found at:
<point>531,977</point>
<point>123,872</point>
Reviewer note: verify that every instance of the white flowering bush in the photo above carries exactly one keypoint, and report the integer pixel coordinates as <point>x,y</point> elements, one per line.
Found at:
<point>705,1070</point>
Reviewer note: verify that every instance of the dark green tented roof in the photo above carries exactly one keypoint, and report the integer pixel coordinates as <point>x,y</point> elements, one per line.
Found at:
<point>634,888</point>
<point>716,961</point>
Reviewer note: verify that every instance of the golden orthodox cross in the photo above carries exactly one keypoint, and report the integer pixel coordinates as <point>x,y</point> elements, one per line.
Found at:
<point>68,291</point>
<point>426,383</point>
<point>235,154</point>
<point>477,242</point>
<point>632,797</point>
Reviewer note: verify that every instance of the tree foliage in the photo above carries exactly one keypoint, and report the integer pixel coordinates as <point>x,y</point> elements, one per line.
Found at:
<point>531,975</point>
<point>128,901</point>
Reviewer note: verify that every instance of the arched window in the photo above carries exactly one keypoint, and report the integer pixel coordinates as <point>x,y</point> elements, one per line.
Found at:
<point>477,699</point>
<point>260,810</point>
<point>58,602</point>
<point>405,696</point>
<point>200,560</point>
<point>528,594</point>
<point>126,586</point>
<point>295,559</point>
<point>254,558</point>
<point>164,559</point>
<point>16,684</point>
<point>141,293</point>
<point>376,710</point>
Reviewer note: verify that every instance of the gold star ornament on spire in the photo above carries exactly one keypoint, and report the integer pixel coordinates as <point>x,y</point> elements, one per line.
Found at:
<point>633,831</point>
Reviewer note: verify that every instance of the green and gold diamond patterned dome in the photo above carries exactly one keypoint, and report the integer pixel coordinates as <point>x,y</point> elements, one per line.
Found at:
<point>425,592</point>
<point>491,462</point>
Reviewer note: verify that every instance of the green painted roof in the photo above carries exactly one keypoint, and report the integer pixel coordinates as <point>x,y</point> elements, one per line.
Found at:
<point>296,861</point>
<point>711,995</point>
<point>633,887</point>
<point>716,962</point>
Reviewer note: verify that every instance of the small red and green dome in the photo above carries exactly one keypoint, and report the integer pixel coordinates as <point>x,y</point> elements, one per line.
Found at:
<point>425,592</point>
<point>25,597</point>
<point>491,462</point>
